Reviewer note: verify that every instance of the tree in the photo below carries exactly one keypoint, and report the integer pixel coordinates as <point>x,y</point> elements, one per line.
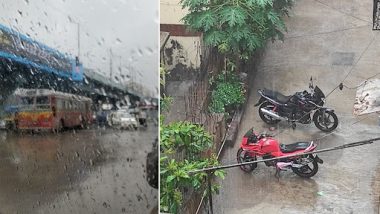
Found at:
<point>237,27</point>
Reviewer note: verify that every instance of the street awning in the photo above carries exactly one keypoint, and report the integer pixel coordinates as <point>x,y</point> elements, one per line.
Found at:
<point>367,98</point>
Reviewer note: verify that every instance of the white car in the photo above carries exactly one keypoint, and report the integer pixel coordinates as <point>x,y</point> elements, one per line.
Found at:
<point>123,119</point>
<point>128,121</point>
<point>3,124</point>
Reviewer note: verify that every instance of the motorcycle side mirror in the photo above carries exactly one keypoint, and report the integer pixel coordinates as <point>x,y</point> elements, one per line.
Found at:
<point>341,86</point>
<point>311,85</point>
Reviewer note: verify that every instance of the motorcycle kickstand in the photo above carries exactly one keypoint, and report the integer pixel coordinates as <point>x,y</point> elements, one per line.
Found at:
<point>294,125</point>
<point>277,174</point>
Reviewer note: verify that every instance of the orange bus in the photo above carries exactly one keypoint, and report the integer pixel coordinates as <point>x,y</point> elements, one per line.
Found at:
<point>39,109</point>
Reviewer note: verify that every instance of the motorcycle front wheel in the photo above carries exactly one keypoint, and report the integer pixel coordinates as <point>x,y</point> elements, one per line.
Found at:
<point>266,118</point>
<point>244,156</point>
<point>326,121</point>
<point>308,170</point>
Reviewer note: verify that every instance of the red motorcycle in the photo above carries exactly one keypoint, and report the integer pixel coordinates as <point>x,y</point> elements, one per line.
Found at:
<point>265,146</point>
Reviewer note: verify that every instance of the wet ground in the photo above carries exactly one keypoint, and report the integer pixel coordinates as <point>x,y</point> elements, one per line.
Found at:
<point>327,40</point>
<point>77,171</point>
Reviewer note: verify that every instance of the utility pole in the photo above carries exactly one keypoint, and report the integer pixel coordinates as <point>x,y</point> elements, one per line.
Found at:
<point>110,64</point>
<point>78,40</point>
<point>120,73</point>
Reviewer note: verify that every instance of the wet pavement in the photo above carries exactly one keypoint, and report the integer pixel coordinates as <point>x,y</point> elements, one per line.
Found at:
<point>77,171</point>
<point>327,40</point>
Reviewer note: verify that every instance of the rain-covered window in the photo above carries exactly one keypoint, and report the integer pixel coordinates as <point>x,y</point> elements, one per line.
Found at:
<point>65,67</point>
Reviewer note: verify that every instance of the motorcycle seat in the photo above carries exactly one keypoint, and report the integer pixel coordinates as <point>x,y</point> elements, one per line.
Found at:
<point>275,95</point>
<point>287,148</point>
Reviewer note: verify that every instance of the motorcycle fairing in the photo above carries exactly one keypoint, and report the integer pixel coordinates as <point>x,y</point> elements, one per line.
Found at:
<point>270,146</point>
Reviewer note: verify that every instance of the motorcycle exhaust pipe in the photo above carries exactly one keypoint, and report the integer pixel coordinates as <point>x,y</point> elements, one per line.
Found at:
<point>272,114</point>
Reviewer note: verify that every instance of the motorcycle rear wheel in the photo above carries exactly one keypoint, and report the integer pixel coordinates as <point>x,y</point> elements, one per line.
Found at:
<point>244,156</point>
<point>323,122</point>
<point>266,118</point>
<point>307,171</point>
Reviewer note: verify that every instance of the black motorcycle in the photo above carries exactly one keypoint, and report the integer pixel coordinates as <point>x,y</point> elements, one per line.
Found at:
<point>297,108</point>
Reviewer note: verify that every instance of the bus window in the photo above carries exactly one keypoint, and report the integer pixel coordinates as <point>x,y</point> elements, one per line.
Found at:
<point>60,104</point>
<point>26,100</point>
<point>53,101</point>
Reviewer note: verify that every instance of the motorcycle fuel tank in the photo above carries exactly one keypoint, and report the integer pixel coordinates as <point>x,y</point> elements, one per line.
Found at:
<point>269,145</point>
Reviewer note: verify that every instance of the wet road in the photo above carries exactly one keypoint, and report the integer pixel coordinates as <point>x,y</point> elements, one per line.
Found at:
<point>321,35</point>
<point>83,171</point>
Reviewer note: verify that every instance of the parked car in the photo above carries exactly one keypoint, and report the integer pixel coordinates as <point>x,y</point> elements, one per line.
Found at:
<point>3,124</point>
<point>101,118</point>
<point>143,118</point>
<point>134,110</point>
<point>123,119</point>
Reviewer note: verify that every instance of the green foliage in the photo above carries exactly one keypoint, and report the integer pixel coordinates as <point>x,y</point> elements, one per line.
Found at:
<point>237,27</point>
<point>165,102</point>
<point>189,140</point>
<point>184,136</point>
<point>228,93</point>
<point>163,72</point>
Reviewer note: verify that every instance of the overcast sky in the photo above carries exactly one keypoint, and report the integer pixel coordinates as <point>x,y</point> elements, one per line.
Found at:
<point>128,27</point>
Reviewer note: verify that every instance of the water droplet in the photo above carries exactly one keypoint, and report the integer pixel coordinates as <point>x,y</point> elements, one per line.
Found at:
<point>106,205</point>
<point>149,50</point>
<point>140,52</point>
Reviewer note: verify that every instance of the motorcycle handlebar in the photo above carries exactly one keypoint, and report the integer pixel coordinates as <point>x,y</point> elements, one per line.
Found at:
<point>264,135</point>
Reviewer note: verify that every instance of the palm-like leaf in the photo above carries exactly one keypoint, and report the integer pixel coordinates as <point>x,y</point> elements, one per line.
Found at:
<point>261,3</point>
<point>207,20</point>
<point>233,16</point>
<point>214,37</point>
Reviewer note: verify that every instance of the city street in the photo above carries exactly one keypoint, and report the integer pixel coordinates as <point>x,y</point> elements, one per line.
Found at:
<point>77,171</point>
<point>327,40</point>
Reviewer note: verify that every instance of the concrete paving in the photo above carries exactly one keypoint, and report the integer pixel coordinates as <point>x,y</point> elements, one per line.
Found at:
<point>327,40</point>
<point>89,171</point>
